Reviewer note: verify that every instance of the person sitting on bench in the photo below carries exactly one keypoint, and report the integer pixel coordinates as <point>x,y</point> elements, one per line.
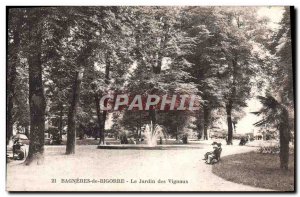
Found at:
<point>211,152</point>
<point>214,156</point>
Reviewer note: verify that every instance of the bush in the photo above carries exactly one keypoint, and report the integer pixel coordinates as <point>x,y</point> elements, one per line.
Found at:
<point>275,149</point>
<point>269,150</point>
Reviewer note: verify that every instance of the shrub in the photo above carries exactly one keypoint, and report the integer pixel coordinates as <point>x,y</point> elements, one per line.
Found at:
<point>275,149</point>
<point>269,149</point>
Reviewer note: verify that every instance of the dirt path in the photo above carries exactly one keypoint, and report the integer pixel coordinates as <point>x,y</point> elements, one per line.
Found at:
<point>183,165</point>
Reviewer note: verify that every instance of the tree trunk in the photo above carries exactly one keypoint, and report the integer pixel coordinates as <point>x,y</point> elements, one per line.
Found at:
<point>11,78</point>
<point>229,104</point>
<point>61,122</point>
<point>229,122</point>
<point>205,121</point>
<point>10,103</point>
<point>71,138</point>
<point>284,150</point>
<point>97,102</point>
<point>37,105</point>
<point>96,132</point>
<point>37,102</point>
<point>104,113</point>
<point>284,135</point>
<point>200,125</point>
<point>102,133</point>
<point>199,134</point>
<point>140,125</point>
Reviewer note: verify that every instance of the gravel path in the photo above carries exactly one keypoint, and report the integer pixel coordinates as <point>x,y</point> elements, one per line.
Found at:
<point>183,165</point>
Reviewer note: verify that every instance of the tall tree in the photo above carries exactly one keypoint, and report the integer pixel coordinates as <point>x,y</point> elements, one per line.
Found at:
<point>159,54</point>
<point>110,57</point>
<point>78,50</point>
<point>235,38</point>
<point>278,103</point>
<point>15,17</point>
<point>276,114</point>
<point>71,140</point>
<point>79,53</point>
<point>36,89</point>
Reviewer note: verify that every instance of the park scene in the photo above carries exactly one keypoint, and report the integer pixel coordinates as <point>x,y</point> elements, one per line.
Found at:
<point>150,98</point>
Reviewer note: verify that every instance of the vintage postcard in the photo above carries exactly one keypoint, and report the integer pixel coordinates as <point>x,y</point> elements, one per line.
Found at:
<point>150,98</point>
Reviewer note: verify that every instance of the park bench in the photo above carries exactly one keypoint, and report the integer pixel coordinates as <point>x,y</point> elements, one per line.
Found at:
<point>217,157</point>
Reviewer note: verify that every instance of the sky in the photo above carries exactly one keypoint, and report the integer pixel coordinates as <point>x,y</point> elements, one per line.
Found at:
<point>245,125</point>
<point>274,13</point>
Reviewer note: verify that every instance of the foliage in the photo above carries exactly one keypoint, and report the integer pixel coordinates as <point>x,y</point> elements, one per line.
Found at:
<point>269,150</point>
<point>275,114</point>
<point>221,54</point>
<point>272,112</point>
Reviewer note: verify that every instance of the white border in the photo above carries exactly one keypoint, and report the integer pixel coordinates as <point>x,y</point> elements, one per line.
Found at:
<point>5,3</point>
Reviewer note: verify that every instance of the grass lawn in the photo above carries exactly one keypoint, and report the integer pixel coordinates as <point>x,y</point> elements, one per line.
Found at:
<point>259,170</point>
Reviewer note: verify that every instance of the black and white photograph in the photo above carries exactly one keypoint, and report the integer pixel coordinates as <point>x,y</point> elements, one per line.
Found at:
<point>150,98</point>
